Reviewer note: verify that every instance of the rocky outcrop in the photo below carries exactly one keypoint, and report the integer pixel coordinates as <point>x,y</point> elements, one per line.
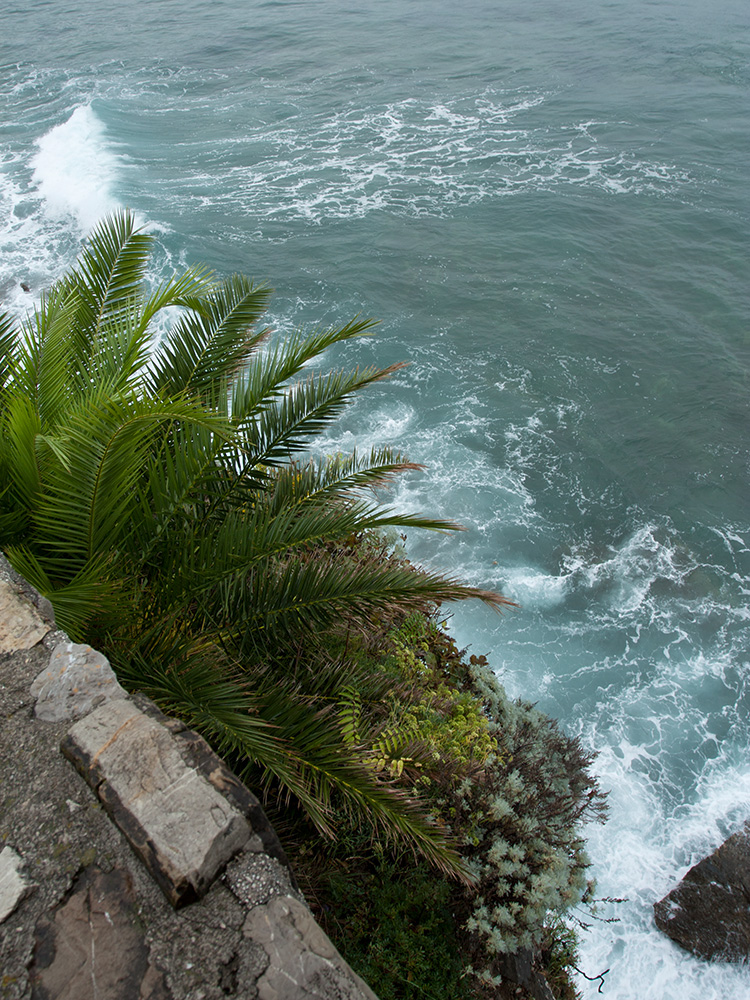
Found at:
<point>523,968</point>
<point>147,871</point>
<point>708,913</point>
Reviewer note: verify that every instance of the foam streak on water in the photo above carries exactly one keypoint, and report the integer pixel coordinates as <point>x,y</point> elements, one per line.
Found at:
<point>415,157</point>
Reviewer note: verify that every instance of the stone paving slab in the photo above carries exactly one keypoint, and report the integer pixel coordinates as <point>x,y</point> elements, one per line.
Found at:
<point>302,962</point>
<point>13,885</point>
<point>77,680</point>
<point>91,946</point>
<point>177,822</point>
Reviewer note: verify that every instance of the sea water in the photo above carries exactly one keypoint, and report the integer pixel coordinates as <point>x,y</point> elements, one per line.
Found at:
<point>546,204</point>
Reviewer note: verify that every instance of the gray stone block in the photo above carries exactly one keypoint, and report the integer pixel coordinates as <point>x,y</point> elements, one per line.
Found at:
<point>77,680</point>
<point>196,753</point>
<point>13,885</point>
<point>303,963</point>
<point>21,626</point>
<point>179,824</point>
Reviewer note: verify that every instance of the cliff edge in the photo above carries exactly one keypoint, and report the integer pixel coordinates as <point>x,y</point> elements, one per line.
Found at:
<point>133,863</point>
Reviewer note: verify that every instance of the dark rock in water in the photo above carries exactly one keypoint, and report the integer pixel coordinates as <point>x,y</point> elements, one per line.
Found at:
<point>25,286</point>
<point>708,913</point>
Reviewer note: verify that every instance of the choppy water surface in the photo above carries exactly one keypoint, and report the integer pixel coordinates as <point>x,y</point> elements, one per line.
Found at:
<point>547,207</point>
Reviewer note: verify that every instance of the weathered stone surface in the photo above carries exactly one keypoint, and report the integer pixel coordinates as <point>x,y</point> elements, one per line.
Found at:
<point>77,680</point>
<point>256,878</point>
<point>302,961</point>
<point>57,825</point>
<point>153,711</point>
<point>183,829</point>
<point>521,968</point>
<point>13,885</point>
<point>90,948</point>
<point>21,626</point>
<point>198,754</point>
<point>708,913</point>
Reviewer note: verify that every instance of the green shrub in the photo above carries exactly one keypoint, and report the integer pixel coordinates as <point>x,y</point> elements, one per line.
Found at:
<point>504,783</point>
<point>528,809</point>
<point>394,925</point>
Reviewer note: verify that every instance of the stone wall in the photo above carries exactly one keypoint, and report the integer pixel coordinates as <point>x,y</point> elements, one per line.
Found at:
<point>133,864</point>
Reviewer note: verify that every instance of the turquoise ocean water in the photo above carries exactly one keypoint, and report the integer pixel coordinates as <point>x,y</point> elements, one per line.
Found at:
<point>547,206</point>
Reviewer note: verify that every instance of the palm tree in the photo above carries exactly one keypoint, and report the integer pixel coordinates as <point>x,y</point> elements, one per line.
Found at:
<point>155,491</point>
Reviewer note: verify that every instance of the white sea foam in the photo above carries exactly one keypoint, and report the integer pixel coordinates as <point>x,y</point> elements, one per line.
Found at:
<point>643,852</point>
<point>385,427</point>
<point>49,201</point>
<point>34,248</point>
<point>417,157</point>
<point>534,589</point>
<point>75,169</point>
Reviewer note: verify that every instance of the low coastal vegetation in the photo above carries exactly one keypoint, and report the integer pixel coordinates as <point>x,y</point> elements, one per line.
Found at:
<point>157,490</point>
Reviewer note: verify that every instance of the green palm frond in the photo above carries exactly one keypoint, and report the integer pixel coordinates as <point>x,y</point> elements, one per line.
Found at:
<point>186,290</point>
<point>20,426</point>
<point>89,502</point>
<point>109,273</point>
<point>338,476</point>
<point>267,379</point>
<point>90,593</point>
<point>329,770</point>
<point>305,410</point>
<point>43,365</point>
<point>265,568</point>
<point>247,536</point>
<point>264,445</point>
<point>209,344</point>
<point>317,595</point>
<point>114,362</point>
<point>8,341</point>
